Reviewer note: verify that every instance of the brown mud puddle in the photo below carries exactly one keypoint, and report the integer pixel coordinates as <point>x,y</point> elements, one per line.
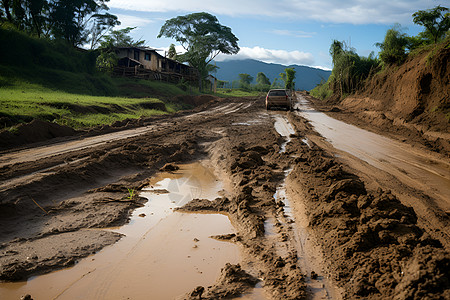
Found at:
<point>163,255</point>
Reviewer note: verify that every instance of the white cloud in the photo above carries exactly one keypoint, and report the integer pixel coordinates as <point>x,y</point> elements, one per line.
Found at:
<point>328,11</point>
<point>271,56</point>
<point>132,21</point>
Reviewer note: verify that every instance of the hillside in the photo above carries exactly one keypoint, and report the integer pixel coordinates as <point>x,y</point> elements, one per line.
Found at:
<point>411,100</point>
<point>306,77</point>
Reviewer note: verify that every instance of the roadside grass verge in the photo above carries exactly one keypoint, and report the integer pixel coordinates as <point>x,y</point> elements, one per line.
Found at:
<point>237,93</point>
<point>322,91</point>
<point>22,102</point>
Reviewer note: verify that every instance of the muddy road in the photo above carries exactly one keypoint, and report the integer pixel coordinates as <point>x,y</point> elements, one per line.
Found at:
<point>227,201</point>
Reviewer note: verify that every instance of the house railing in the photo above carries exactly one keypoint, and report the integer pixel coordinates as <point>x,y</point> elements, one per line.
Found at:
<point>141,73</point>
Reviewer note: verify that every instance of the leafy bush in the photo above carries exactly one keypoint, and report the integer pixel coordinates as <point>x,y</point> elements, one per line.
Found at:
<point>322,91</point>
<point>349,69</point>
<point>393,49</point>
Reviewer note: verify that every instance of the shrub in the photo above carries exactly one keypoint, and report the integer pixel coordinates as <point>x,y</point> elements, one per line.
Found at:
<point>393,48</point>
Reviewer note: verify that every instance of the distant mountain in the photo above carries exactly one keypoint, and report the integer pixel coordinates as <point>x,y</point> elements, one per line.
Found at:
<point>306,77</point>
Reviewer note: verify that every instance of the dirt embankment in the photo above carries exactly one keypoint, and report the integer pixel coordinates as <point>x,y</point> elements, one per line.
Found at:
<point>411,101</point>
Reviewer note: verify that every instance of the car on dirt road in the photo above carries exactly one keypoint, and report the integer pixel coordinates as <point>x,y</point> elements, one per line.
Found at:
<point>278,98</point>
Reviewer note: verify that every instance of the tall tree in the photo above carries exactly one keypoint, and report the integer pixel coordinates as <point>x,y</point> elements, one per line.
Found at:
<point>262,79</point>
<point>6,8</point>
<point>26,15</point>
<point>107,58</point>
<point>172,53</point>
<point>283,78</point>
<point>72,20</point>
<point>393,48</point>
<point>101,24</point>
<point>436,22</point>
<point>245,80</point>
<point>203,38</point>
<point>290,77</point>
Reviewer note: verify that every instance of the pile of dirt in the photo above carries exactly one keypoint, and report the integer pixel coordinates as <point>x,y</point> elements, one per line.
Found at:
<point>371,241</point>
<point>35,131</point>
<point>233,281</point>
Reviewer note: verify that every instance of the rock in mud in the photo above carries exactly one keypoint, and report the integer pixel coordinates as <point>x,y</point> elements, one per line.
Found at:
<point>233,281</point>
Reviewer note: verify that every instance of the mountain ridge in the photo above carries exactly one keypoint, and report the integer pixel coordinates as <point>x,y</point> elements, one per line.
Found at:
<point>306,77</point>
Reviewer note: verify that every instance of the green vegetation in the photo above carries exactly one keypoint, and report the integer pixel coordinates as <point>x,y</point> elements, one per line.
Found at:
<point>52,81</point>
<point>290,77</point>
<point>245,81</point>
<point>436,22</point>
<point>263,84</point>
<point>75,21</point>
<point>237,93</point>
<point>131,194</point>
<point>350,70</point>
<point>322,90</point>
<point>393,48</point>
<point>107,58</point>
<point>24,102</point>
<point>203,38</point>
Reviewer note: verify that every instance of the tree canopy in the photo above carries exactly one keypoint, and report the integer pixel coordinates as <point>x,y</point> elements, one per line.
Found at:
<point>290,77</point>
<point>203,38</point>
<point>262,79</point>
<point>393,48</point>
<point>107,58</point>
<point>435,20</point>
<point>172,53</point>
<point>76,21</point>
<point>245,80</point>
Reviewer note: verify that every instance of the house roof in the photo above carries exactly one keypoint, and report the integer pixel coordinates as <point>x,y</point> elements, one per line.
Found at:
<point>140,48</point>
<point>154,50</point>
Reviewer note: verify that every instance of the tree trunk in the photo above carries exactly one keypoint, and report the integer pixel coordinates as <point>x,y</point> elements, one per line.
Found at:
<point>6,5</point>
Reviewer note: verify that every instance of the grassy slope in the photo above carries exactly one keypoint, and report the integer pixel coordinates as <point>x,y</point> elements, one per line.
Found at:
<point>50,81</point>
<point>23,102</point>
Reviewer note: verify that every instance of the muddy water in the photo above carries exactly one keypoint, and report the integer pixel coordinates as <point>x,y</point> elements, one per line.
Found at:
<point>285,129</point>
<point>400,160</point>
<point>163,255</point>
<point>308,251</point>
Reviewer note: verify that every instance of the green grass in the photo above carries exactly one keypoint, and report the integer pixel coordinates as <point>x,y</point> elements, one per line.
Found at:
<point>22,102</point>
<point>322,91</point>
<point>53,81</point>
<point>237,93</point>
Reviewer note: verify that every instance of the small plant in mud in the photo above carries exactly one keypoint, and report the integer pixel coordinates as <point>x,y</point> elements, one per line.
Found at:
<point>131,194</point>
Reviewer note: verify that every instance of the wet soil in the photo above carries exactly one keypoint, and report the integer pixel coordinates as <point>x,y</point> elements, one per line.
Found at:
<point>308,220</point>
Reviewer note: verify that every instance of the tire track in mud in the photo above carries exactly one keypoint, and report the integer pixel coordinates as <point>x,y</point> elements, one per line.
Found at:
<point>371,244</point>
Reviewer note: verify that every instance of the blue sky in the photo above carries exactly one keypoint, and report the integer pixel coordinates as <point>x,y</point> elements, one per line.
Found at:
<point>282,31</point>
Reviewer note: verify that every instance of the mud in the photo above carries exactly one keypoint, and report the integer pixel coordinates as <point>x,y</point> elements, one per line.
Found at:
<point>371,241</point>
<point>283,192</point>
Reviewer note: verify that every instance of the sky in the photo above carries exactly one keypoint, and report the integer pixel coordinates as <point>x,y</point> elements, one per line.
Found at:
<point>280,31</point>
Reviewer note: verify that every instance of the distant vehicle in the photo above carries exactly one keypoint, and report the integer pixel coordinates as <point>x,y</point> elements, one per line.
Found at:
<point>278,98</point>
